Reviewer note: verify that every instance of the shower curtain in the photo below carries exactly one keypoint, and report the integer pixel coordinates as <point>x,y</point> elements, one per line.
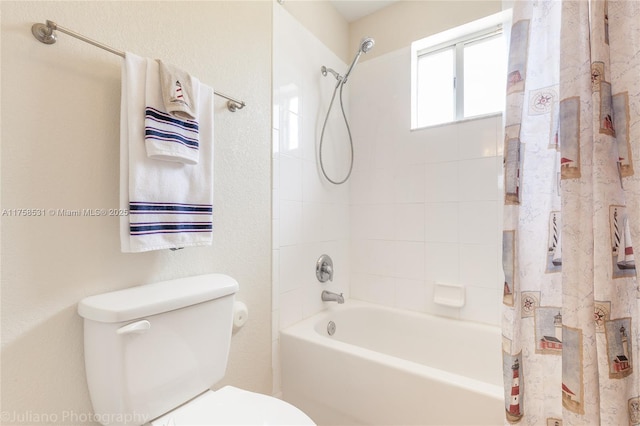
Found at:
<point>572,212</point>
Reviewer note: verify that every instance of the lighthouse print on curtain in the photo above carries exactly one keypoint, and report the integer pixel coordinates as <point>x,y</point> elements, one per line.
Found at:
<point>572,214</point>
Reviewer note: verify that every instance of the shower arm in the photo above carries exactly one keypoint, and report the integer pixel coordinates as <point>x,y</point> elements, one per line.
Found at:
<point>341,79</point>
<point>326,70</point>
<point>353,64</point>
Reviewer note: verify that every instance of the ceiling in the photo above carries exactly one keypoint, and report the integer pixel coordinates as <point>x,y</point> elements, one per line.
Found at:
<point>353,10</point>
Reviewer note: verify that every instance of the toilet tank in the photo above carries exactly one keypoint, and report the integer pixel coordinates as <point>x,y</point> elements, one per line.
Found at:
<point>150,348</point>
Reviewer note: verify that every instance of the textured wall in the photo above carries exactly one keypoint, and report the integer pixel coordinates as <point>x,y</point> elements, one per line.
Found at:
<point>324,22</point>
<point>60,130</point>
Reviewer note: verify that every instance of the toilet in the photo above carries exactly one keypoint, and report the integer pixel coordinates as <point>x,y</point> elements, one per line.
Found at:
<point>152,353</point>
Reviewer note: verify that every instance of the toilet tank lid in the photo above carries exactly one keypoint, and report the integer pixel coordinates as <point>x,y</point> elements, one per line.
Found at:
<point>150,299</point>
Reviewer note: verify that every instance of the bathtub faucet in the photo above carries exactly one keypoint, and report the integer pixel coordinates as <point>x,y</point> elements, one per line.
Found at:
<point>328,296</point>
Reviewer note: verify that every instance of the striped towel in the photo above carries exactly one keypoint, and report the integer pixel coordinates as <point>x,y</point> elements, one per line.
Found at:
<point>190,214</point>
<point>168,138</point>
<point>170,203</point>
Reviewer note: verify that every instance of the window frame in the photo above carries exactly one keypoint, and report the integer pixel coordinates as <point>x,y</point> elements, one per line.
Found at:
<point>435,50</point>
<point>456,38</point>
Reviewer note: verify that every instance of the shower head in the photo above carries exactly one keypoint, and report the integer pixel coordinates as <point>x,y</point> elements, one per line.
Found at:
<point>366,44</point>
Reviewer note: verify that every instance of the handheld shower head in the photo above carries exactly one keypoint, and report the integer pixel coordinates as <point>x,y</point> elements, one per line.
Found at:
<point>366,44</point>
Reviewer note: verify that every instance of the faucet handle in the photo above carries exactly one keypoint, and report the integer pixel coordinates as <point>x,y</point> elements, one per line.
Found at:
<point>324,269</point>
<point>327,270</point>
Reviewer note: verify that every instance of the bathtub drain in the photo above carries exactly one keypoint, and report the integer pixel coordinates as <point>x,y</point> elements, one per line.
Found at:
<point>331,328</point>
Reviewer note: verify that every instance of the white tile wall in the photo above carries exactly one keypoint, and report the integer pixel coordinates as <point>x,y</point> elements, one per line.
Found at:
<point>411,294</point>
<point>477,138</point>
<point>442,181</point>
<point>410,222</point>
<point>425,205</point>
<point>441,222</point>
<point>310,216</point>
<point>421,206</point>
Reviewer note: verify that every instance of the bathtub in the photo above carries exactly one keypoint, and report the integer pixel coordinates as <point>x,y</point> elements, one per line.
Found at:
<point>385,366</point>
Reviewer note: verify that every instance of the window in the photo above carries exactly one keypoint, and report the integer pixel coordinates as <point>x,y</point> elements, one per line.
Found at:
<point>460,73</point>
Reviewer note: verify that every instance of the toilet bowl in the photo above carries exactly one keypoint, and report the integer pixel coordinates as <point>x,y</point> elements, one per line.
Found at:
<point>152,353</point>
<point>233,406</point>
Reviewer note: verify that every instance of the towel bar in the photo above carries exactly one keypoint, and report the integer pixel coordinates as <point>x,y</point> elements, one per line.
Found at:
<point>45,33</point>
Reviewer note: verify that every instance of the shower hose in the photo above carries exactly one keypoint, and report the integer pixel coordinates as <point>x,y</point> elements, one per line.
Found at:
<point>324,126</point>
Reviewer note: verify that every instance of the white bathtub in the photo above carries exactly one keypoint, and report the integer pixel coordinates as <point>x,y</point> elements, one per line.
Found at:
<point>390,367</point>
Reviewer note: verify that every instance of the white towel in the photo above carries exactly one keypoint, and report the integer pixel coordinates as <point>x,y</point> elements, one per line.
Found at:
<point>169,139</point>
<point>170,203</point>
<point>179,92</point>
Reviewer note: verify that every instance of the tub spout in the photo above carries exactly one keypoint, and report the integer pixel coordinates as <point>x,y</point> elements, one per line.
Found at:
<point>328,296</point>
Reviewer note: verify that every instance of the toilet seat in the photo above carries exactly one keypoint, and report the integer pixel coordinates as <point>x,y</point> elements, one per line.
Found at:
<point>233,406</point>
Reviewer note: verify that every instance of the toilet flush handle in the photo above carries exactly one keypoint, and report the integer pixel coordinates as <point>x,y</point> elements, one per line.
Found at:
<point>135,327</point>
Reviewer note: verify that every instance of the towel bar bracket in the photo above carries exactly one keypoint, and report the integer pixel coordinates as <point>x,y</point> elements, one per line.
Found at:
<point>234,106</point>
<point>45,34</point>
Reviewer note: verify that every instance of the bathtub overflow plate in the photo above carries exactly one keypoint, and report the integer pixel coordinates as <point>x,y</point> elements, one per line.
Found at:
<point>331,328</point>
